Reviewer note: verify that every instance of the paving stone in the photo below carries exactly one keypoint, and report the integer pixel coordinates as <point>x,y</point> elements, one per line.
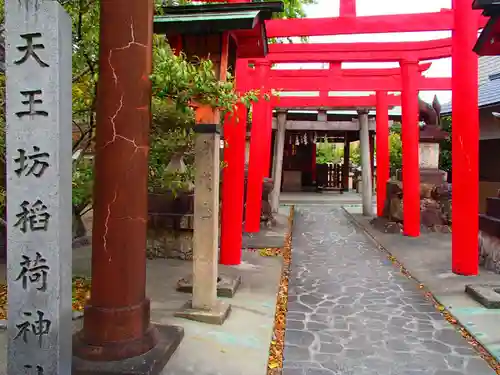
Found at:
<point>359,315</point>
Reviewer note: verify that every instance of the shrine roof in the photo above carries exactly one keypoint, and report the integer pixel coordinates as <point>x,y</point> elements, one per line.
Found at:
<point>488,94</point>
<point>214,18</point>
<point>486,5</point>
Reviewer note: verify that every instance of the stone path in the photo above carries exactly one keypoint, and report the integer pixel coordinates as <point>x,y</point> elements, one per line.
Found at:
<point>351,312</point>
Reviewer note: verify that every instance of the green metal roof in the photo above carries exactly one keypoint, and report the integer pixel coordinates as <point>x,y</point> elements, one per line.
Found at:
<point>213,18</point>
<point>206,16</point>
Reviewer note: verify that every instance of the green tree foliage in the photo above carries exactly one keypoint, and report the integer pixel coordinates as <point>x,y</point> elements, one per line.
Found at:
<point>445,146</point>
<point>329,153</point>
<point>355,153</point>
<point>395,149</point>
<point>294,8</point>
<point>176,82</point>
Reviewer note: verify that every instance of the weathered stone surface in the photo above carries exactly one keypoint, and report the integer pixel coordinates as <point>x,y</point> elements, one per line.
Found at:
<point>360,315</point>
<point>266,216</point>
<point>215,315</point>
<point>486,294</point>
<point>489,252</point>
<point>435,208</point>
<point>170,225</point>
<point>226,285</point>
<point>39,213</point>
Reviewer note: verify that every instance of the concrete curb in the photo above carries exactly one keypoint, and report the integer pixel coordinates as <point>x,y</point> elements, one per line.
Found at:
<point>381,247</point>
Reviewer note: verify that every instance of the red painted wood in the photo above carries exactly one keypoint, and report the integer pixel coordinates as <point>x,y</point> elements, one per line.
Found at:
<point>347,8</point>
<point>233,176</point>
<point>396,23</point>
<point>332,101</point>
<point>465,138</point>
<point>356,84</point>
<point>382,139</point>
<point>360,56</point>
<point>268,125</point>
<point>321,73</point>
<point>388,47</point>
<point>410,137</point>
<point>259,150</point>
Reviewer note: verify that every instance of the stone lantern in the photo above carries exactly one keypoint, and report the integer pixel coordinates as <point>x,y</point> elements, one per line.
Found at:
<point>430,136</point>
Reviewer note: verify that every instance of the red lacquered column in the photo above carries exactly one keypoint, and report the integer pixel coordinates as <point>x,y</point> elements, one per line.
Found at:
<point>258,165</point>
<point>465,138</point>
<point>233,180</point>
<point>410,137</point>
<point>116,322</point>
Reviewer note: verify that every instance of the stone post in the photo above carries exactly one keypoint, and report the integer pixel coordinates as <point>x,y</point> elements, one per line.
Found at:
<point>372,157</point>
<point>206,216</point>
<point>38,113</point>
<point>278,161</point>
<point>366,173</point>
<point>205,306</point>
<point>382,142</point>
<point>345,167</point>
<point>116,322</point>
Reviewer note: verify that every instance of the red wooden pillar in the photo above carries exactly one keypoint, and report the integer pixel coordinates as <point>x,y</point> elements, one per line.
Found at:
<point>410,138</point>
<point>347,8</point>
<point>465,138</point>
<point>267,121</point>
<point>116,322</point>
<point>260,147</point>
<point>233,178</point>
<point>382,140</point>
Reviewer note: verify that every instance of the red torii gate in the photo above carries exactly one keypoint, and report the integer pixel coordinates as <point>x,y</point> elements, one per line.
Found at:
<point>336,70</point>
<point>328,82</point>
<point>464,23</point>
<point>234,136</point>
<point>328,102</point>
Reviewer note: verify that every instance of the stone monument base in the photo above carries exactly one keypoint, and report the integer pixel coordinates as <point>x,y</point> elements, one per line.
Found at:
<point>150,363</point>
<point>216,315</point>
<point>486,294</point>
<point>432,176</point>
<point>435,208</point>
<point>427,176</point>
<point>226,285</point>
<point>489,252</point>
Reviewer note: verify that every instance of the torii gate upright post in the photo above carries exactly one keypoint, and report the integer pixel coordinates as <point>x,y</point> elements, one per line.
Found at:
<point>410,138</point>
<point>465,138</point>
<point>233,181</point>
<point>347,8</point>
<point>260,139</point>
<point>382,139</point>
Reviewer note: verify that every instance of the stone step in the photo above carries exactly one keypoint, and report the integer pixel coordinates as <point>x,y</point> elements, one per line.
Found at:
<point>490,225</point>
<point>493,207</point>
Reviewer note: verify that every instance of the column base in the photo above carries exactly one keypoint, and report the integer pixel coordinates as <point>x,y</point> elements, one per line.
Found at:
<point>226,285</point>
<point>216,315</point>
<point>150,363</point>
